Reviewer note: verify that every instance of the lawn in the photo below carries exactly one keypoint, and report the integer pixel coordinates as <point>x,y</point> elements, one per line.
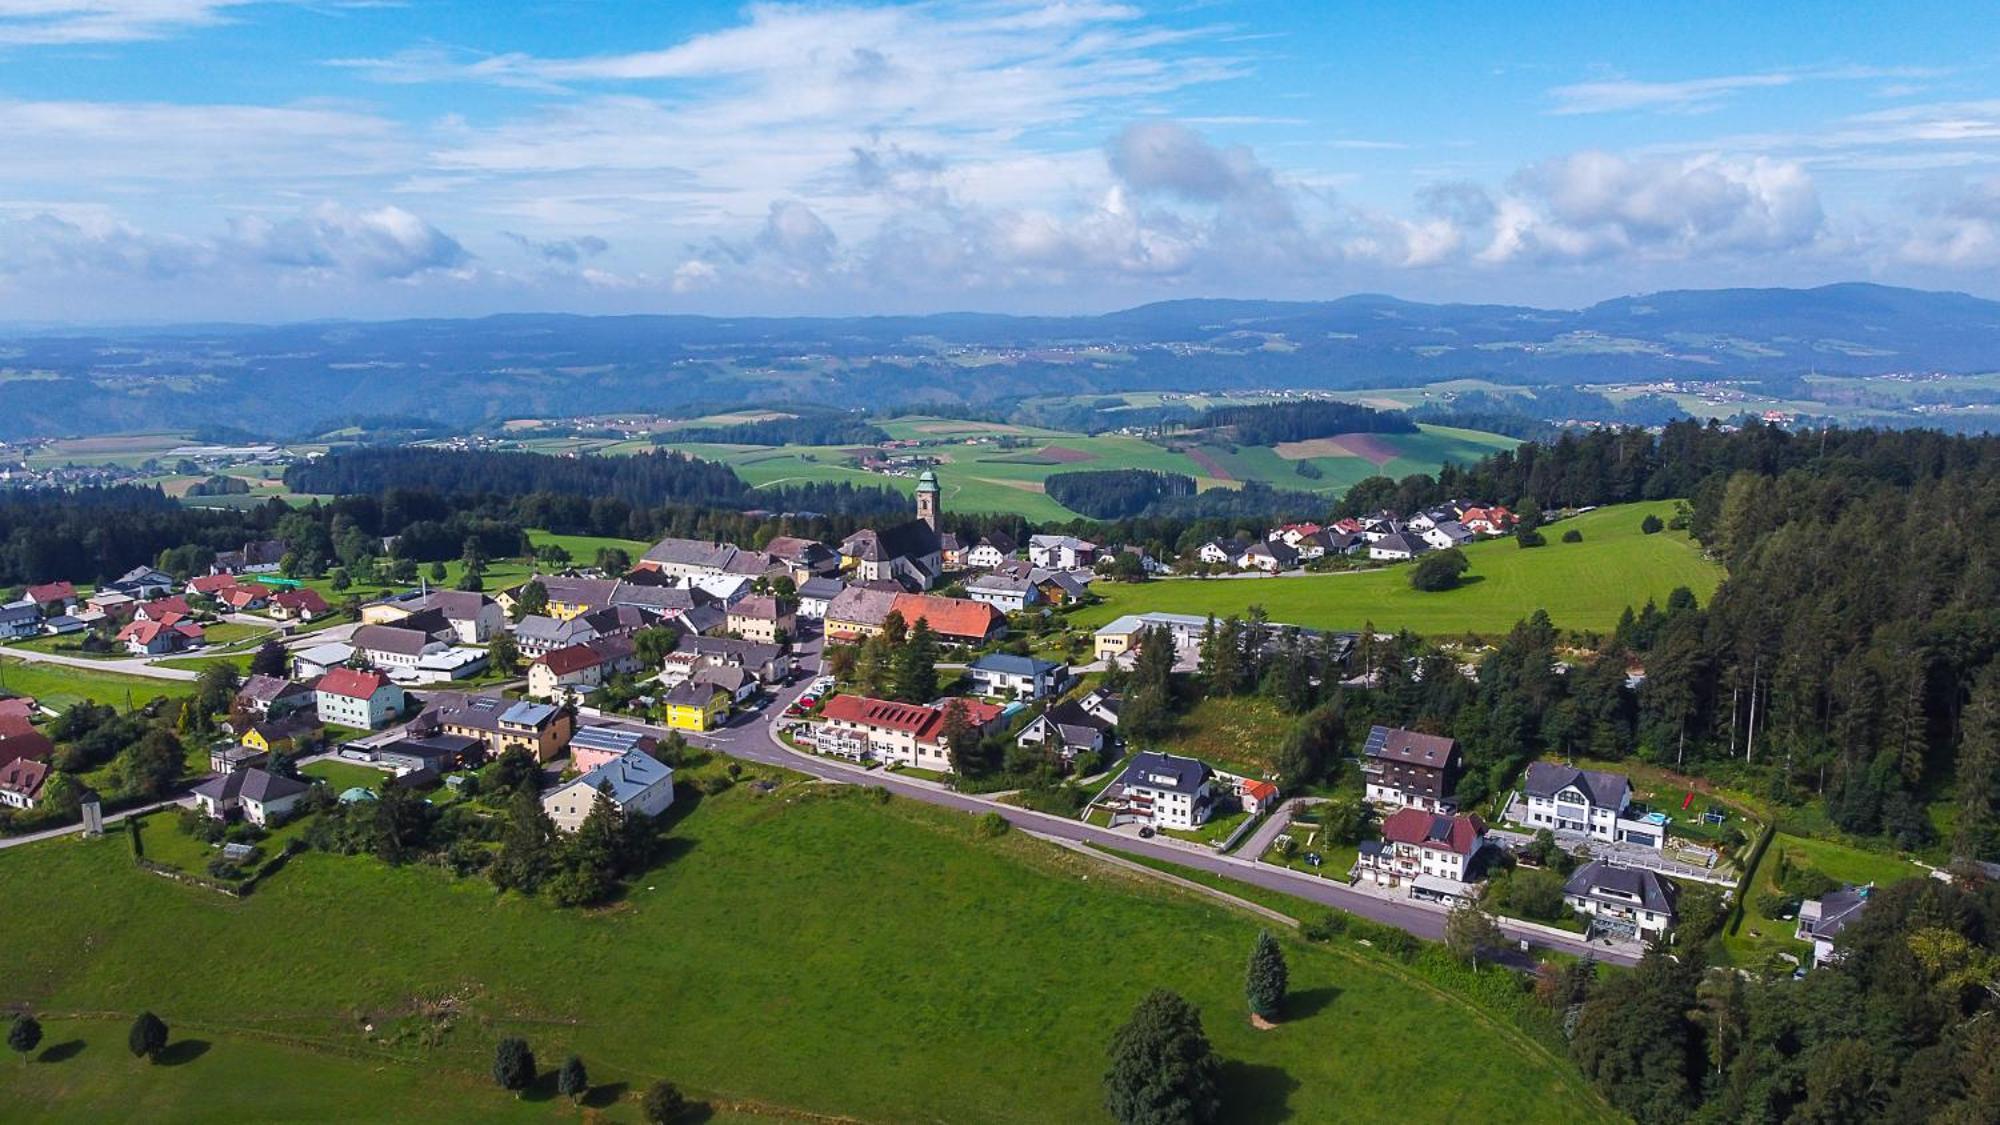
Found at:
<point>342,776</point>
<point>785,930</point>
<point>1583,586</point>
<point>58,686</point>
<point>1760,935</point>
<point>583,548</point>
<point>1237,733</point>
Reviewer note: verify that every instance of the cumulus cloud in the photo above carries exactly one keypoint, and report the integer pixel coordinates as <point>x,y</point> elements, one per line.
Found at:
<point>327,242</point>
<point>565,251</point>
<point>1961,230</point>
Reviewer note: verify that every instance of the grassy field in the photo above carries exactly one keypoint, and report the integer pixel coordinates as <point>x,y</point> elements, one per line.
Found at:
<point>1582,585</point>
<point>785,932</point>
<point>58,686</point>
<point>1761,935</point>
<point>980,475</point>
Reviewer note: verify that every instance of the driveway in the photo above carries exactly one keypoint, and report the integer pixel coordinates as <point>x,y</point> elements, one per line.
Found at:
<point>129,665</point>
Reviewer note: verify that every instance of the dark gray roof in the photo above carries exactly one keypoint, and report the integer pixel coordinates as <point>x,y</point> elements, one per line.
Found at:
<point>1153,770</point>
<point>666,599</point>
<point>1605,790</point>
<point>911,540</point>
<point>753,653</point>
<point>390,638</point>
<point>454,605</point>
<point>250,785</point>
<point>1397,744</point>
<point>821,587</point>
<point>1836,910</point>
<point>1653,893</point>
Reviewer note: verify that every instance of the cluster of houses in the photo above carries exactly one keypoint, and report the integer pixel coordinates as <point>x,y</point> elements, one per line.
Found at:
<point>1382,536</point>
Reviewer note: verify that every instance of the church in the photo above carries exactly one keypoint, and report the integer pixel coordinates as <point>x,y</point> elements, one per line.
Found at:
<point>910,554</point>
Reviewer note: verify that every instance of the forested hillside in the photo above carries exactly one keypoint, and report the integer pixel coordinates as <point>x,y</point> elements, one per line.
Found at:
<point>1272,423</point>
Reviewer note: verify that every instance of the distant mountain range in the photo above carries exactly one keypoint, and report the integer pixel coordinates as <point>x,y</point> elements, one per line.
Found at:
<point>294,380</point>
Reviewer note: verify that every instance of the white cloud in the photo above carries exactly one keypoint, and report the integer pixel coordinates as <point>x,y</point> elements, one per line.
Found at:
<point>59,22</point>
<point>1622,94</point>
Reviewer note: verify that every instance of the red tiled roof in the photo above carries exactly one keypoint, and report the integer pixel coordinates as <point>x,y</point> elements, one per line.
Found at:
<point>887,714</point>
<point>19,739</point>
<point>214,583</point>
<point>306,600</point>
<point>949,617</point>
<point>24,776</point>
<point>160,607</point>
<point>575,658</point>
<point>351,682</point>
<point>1456,834</point>
<point>1261,790</point>
<point>51,592</point>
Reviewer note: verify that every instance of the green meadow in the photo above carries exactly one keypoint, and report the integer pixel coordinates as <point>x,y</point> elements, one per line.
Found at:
<point>1583,586</point>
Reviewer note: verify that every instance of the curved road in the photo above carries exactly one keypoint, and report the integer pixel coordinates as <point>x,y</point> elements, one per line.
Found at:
<point>756,740</point>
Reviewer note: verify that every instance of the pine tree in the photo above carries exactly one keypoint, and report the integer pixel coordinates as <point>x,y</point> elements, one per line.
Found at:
<point>513,1065</point>
<point>147,1037</point>
<point>526,848</point>
<point>1979,768</point>
<point>1163,1070</point>
<point>915,665</point>
<point>1267,979</point>
<point>572,1081</point>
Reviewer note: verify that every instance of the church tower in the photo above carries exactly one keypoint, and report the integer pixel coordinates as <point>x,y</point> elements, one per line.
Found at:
<point>927,498</point>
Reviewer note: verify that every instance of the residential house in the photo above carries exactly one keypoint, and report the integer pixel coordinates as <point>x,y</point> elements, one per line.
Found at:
<point>580,669</point>
<point>1123,634</point>
<point>1017,677</point>
<point>1446,534</point>
<point>21,618</point>
<point>954,620</point>
<point>638,783</point>
<point>1164,791</point>
<point>816,594</point>
<point>593,746</point>
<point>1256,795</point>
<point>693,558</point>
<point>573,597</point>
<point>763,618</point>
<point>499,724</point>
<point>364,700</point>
<point>1061,552</point>
<point>21,782</point>
<point>53,598</point>
<point>401,646</point>
<point>1060,587</point>
<point>1402,767</point>
<point>857,613</point>
<point>226,758</point>
<point>272,696</point>
<point>1588,803</point>
<point>19,738</point>
<point>1102,704</point>
<point>1066,730</point>
<point>804,559</point>
<point>536,634</point>
<point>284,734</point>
<point>165,610</point>
<point>1003,592</point>
<point>1489,520</point>
<point>696,705</point>
<point>297,605</point>
<point>1821,920</point>
<point>1396,546</point>
<point>244,599</point>
<point>741,685</point>
<point>1270,556</point>
<point>1221,552</point>
<point>991,551</point>
<point>473,617</point>
<point>1431,852</point>
<point>768,663</point>
<point>263,798</point>
<point>706,620</point>
<point>157,638</point>
<point>143,582</point>
<point>895,734</point>
<point>1627,901</point>
<point>263,556</point>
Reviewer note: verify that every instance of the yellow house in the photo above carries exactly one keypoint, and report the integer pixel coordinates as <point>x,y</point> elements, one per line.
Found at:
<point>696,707</point>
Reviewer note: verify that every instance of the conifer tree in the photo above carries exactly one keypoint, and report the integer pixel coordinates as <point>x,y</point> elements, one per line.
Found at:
<point>1267,979</point>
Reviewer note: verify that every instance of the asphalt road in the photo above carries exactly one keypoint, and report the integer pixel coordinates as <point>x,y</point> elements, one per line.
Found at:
<point>753,739</point>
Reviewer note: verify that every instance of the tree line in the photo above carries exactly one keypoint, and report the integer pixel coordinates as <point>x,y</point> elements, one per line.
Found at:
<point>1271,423</point>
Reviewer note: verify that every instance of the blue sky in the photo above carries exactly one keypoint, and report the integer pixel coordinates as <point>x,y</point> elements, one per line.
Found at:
<point>207,159</point>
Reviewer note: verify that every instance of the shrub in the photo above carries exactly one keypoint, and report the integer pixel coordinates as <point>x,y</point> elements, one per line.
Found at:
<point>1529,537</point>
<point>990,826</point>
<point>664,1103</point>
<point>147,1037</point>
<point>513,1064</point>
<point>1651,525</point>
<point>1439,570</point>
<point>1572,536</point>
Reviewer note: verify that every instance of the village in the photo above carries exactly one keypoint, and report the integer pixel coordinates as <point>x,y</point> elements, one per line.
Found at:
<point>852,654</point>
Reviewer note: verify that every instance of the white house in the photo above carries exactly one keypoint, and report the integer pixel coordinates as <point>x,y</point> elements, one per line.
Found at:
<point>1396,546</point>
<point>1004,592</point>
<point>638,783</point>
<point>474,617</point>
<point>1066,730</point>
<point>262,797</point>
<point>1446,533</point>
<point>395,646</point>
<point>349,698</point>
<point>1631,901</point>
<point>990,551</point>
<point>1821,920</point>
<point>1061,552</point>
<point>1430,852</point>
<point>1163,790</point>
<point>1221,552</point>
<point>1021,677</point>
<point>1590,803</point>
<point>817,593</point>
<point>1270,556</point>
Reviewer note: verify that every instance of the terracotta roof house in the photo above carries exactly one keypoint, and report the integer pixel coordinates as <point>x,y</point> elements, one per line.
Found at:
<point>352,698</point>
<point>20,739</point>
<point>53,597</point>
<point>1431,852</point>
<point>893,733</point>
<point>958,620</point>
<point>21,782</point>
<point>302,605</point>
